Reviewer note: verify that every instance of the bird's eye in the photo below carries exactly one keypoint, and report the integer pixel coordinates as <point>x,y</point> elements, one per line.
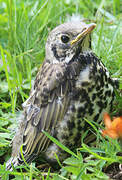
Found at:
<point>65,38</point>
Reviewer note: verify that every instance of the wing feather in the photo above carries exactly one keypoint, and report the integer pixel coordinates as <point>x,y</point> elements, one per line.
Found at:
<point>51,109</point>
<point>50,102</point>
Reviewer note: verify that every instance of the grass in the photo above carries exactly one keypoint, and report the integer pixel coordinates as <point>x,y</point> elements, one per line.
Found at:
<point>24,26</point>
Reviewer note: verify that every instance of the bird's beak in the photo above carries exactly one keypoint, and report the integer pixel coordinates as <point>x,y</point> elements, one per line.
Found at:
<point>84,32</point>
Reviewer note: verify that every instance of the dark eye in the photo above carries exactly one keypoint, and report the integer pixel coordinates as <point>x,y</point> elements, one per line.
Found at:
<point>65,38</point>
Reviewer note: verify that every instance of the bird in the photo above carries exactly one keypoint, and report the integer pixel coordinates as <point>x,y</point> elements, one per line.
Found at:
<point>72,84</point>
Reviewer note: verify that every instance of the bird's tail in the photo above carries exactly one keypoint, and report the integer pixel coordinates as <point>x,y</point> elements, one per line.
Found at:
<point>18,160</point>
<point>12,162</point>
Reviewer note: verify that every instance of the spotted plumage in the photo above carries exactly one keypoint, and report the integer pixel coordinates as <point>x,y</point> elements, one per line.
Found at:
<point>71,85</point>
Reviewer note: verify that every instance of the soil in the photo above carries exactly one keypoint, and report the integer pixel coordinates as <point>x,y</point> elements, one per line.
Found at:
<point>114,171</point>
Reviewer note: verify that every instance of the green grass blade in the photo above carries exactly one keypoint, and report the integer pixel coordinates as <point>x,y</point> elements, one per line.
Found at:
<point>59,144</point>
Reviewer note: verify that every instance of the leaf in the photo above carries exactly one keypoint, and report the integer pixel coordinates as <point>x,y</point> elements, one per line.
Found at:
<point>5,135</point>
<point>73,161</point>
<point>3,122</point>
<point>4,105</point>
<point>72,169</point>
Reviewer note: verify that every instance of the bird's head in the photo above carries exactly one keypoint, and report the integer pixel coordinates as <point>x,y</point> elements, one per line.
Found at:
<point>68,39</point>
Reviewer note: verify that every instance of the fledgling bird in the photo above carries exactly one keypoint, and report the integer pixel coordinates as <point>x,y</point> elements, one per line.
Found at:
<point>71,85</point>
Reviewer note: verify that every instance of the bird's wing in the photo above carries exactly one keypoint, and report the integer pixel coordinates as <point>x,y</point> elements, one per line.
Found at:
<point>45,107</point>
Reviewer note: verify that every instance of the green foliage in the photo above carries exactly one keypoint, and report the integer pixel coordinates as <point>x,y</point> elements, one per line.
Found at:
<point>24,26</point>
